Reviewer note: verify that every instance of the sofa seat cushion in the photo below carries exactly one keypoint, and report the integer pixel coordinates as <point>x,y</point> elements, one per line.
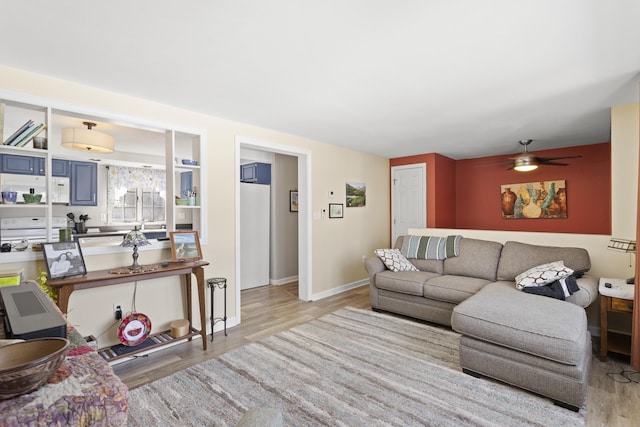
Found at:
<point>405,282</point>
<point>453,289</point>
<point>544,327</point>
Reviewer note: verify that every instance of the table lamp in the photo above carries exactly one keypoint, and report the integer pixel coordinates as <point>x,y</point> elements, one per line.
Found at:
<point>134,238</point>
<point>626,246</point>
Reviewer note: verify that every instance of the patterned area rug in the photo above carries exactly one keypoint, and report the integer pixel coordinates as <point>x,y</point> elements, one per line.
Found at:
<point>349,368</point>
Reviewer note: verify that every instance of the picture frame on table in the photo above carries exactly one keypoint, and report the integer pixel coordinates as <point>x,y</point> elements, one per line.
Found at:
<point>336,210</point>
<point>63,259</point>
<point>185,245</point>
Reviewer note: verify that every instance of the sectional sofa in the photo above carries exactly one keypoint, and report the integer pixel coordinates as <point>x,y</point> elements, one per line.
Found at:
<point>533,342</point>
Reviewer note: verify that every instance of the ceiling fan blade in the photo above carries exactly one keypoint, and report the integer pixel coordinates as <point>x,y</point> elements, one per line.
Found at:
<point>544,159</point>
<point>553,164</point>
<point>493,164</point>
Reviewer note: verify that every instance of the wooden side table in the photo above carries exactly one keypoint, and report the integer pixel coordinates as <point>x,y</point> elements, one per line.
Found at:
<point>618,299</point>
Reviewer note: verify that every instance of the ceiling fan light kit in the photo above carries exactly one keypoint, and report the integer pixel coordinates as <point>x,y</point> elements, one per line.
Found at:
<point>527,162</point>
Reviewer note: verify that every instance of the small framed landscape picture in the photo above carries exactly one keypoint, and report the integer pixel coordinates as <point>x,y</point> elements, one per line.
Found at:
<point>336,210</point>
<point>63,259</point>
<point>185,246</point>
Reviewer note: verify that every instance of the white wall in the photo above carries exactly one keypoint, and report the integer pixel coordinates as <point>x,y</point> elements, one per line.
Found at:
<point>337,245</point>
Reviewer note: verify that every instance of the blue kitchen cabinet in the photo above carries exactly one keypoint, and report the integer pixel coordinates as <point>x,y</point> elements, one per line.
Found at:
<point>256,173</point>
<point>22,165</point>
<point>84,183</point>
<point>59,167</point>
<point>29,165</point>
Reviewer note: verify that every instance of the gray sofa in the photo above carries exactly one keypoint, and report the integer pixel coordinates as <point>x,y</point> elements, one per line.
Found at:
<point>533,342</point>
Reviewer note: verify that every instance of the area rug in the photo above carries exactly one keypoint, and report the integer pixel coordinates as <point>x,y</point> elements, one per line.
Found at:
<point>349,368</point>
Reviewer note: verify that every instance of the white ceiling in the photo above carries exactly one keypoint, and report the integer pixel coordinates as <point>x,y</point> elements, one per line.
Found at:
<point>462,78</point>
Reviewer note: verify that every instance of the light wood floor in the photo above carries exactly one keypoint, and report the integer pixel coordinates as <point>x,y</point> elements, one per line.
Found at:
<point>270,309</point>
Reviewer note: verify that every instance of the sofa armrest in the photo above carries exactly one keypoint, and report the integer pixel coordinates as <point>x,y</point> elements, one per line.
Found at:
<point>588,291</point>
<point>373,265</point>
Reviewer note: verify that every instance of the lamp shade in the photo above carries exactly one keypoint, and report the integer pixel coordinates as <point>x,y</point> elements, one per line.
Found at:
<point>87,140</point>
<point>134,238</point>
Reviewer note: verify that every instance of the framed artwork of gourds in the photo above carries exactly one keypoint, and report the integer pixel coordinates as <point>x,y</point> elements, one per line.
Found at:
<point>534,200</point>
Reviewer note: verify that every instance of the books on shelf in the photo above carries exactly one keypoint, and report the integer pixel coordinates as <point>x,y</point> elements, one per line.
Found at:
<point>16,134</point>
<point>33,131</point>
<point>23,135</point>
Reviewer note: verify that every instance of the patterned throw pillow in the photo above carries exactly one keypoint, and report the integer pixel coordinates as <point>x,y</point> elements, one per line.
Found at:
<point>543,274</point>
<point>394,260</point>
<point>431,247</point>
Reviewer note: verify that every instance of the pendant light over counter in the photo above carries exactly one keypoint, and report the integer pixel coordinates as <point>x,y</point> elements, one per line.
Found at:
<point>88,139</point>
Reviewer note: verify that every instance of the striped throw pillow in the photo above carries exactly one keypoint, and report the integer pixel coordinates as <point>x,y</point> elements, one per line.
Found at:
<point>431,247</point>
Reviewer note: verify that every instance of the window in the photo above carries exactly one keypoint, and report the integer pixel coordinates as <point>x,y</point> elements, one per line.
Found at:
<point>135,194</point>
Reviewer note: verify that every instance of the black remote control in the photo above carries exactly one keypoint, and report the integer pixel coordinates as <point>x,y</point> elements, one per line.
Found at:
<point>607,285</point>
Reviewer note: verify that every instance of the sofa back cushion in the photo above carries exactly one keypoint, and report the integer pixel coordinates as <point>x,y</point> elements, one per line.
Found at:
<point>478,258</point>
<point>430,265</point>
<point>518,257</point>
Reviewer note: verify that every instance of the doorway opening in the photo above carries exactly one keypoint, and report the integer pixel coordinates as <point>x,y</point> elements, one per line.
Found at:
<point>304,212</point>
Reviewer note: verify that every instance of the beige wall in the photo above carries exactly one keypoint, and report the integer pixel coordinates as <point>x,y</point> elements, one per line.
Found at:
<point>337,245</point>
<point>625,134</point>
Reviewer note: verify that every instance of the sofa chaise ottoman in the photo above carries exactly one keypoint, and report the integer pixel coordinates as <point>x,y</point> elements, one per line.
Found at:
<point>535,343</point>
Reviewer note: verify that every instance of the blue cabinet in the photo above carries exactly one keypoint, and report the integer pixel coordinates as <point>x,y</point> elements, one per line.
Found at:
<point>59,167</point>
<point>257,173</point>
<point>29,165</point>
<point>84,183</point>
<point>22,165</point>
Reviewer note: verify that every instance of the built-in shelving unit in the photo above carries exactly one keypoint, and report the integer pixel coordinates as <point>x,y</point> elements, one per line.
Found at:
<point>184,181</point>
<point>17,109</point>
<point>13,115</point>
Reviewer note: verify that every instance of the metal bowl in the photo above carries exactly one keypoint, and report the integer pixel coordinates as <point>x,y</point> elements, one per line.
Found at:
<point>26,365</point>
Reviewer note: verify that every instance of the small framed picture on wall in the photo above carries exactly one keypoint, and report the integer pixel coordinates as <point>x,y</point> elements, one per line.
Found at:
<point>293,201</point>
<point>336,210</point>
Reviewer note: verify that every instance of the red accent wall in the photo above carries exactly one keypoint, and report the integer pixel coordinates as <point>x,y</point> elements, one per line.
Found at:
<point>465,194</point>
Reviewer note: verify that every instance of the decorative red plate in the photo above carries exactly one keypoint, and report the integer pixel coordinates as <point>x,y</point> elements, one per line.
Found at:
<point>134,329</point>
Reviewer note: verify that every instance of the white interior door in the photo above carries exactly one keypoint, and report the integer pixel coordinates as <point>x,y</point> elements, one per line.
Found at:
<point>408,198</point>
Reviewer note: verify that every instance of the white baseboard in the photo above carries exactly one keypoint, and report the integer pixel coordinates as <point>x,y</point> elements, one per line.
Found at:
<point>339,289</point>
<point>283,281</point>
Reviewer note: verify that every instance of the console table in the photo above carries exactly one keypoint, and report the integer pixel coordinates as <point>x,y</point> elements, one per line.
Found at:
<point>96,279</point>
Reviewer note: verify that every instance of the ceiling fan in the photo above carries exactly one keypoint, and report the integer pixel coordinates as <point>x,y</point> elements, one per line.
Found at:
<point>527,162</point>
